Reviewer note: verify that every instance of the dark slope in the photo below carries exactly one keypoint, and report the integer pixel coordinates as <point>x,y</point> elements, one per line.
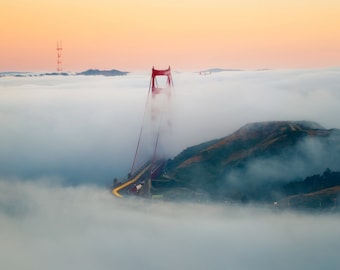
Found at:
<point>230,167</point>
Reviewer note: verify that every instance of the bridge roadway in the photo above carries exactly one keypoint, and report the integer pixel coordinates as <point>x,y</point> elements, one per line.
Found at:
<point>143,174</point>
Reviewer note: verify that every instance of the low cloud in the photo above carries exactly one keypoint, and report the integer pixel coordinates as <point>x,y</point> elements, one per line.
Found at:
<point>309,157</point>
<point>63,138</point>
<point>48,226</point>
<point>85,129</point>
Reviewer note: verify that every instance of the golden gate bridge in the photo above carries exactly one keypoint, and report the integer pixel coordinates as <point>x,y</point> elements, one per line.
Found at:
<point>156,113</point>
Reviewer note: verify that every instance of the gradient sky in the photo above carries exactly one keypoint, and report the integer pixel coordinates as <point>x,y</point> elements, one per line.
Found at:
<point>186,34</point>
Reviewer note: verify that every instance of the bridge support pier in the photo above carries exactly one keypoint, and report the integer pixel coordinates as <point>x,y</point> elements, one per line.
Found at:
<point>146,191</point>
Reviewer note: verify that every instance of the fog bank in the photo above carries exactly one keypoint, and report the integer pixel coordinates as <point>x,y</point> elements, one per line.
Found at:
<point>85,129</point>
<point>47,226</point>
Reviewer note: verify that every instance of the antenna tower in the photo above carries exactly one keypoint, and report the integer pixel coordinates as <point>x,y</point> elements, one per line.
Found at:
<point>59,62</point>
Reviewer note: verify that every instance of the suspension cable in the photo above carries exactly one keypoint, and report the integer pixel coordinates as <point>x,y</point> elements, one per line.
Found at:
<point>141,130</point>
<point>157,140</point>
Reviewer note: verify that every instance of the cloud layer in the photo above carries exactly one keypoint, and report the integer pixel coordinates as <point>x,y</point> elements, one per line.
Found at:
<point>63,138</point>
<point>47,226</point>
<point>85,129</point>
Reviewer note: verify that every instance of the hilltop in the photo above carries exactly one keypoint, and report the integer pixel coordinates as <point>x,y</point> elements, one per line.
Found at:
<point>255,163</point>
<point>96,72</point>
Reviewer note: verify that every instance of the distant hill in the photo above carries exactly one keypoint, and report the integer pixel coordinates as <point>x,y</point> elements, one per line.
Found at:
<point>95,72</point>
<point>32,74</point>
<point>215,70</point>
<point>14,74</point>
<point>255,163</point>
<point>89,72</point>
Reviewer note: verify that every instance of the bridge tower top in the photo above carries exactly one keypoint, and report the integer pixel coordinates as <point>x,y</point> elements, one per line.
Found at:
<point>157,73</point>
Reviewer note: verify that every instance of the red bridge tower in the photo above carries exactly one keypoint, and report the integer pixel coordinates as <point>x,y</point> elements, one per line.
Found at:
<point>154,84</point>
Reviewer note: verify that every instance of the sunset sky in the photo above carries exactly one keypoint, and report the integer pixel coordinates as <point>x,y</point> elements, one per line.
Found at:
<point>186,34</point>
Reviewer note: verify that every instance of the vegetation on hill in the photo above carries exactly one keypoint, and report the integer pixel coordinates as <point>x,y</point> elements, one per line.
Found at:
<point>261,162</point>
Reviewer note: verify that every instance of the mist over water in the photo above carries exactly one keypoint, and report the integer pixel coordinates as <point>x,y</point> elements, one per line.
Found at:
<point>53,227</point>
<point>85,129</point>
<point>63,139</point>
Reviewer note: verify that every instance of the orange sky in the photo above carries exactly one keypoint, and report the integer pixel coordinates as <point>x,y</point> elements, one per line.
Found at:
<point>186,34</point>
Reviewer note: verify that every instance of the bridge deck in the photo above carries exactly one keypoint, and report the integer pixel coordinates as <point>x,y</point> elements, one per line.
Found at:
<point>138,176</point>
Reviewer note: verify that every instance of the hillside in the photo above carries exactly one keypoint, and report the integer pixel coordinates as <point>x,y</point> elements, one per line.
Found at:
<point>253,163</point>
<point>96,72</point>
<point>317,191</point>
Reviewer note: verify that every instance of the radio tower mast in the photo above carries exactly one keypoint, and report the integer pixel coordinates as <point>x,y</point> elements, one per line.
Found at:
<point>59,62</point>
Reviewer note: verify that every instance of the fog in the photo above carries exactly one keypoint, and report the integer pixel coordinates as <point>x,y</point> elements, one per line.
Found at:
<point>85,129</point>
<point>63,140</point>
<point>309,157</point>
<point>48,226</point>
